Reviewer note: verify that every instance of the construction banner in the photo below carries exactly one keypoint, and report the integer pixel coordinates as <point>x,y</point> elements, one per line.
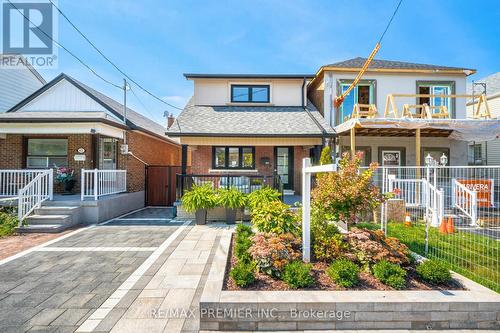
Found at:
<point>484,189</point>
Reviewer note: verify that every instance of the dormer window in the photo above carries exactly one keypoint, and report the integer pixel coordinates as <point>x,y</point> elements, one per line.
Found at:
<point>243,93</point>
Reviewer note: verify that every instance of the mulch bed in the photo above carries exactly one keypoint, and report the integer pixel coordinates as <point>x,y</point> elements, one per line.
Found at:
<point>323,281</point>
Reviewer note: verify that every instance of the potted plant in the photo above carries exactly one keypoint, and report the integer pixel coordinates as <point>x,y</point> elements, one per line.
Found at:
<point>198,200</point>
<point>66,176</point>
<point>232,200</point>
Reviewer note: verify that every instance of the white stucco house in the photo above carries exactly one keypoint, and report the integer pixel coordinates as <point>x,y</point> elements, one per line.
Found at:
<point>406,111</point>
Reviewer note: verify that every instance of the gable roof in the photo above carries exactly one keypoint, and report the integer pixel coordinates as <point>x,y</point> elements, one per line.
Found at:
<point>135,120</point>
<point>250,121</point>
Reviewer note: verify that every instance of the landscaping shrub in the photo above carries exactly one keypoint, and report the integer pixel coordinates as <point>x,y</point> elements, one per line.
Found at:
<point>329,247</point>
<point>326,156</point>
<point>390,274</point>
<point>272,252</point>
<point>243,274</point>
<point>298,275</point>
<point>369,247</point>
<point>262,196</point>
<point>230,198</point>
<point>8,221</point>
<point>275,217</point>
<point>199,197</point>
<point>434,271</point>
<point>345,194</point>
<point>243,243</point>
<point>344,272</point>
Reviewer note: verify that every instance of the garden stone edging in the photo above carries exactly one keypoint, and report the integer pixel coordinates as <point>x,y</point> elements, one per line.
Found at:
<point>223,310</point>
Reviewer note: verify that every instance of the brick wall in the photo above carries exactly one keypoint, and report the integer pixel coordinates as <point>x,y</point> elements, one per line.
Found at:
<point>151,150</point>
<point>202,162</point>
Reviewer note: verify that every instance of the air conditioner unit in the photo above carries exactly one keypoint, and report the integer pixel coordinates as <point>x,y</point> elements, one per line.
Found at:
<point>124,149</point>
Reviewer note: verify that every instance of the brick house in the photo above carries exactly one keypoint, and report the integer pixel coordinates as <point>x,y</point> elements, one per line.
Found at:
<point>244,129</point>
<point>66,123</point>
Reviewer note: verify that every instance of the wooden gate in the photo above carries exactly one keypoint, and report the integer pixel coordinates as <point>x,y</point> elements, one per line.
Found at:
<point>160,185</point>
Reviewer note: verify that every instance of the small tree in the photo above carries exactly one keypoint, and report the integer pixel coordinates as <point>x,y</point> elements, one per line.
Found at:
<point>326,156</point>
<point>342,195</point>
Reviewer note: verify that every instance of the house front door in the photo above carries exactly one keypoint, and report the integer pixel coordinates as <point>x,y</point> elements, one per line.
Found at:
<point>284,165</point>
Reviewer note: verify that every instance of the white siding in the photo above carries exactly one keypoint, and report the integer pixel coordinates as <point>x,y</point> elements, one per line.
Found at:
<point>218,91</point>
<point>394,83</point>
<point>63,96</point>
<point>15,85</point>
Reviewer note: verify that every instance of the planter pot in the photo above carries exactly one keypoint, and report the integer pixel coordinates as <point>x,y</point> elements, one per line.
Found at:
<point>231,215</point>
<point>201,216</point>
<point>68,186</point>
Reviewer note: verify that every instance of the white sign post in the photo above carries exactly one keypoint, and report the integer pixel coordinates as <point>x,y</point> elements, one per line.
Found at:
<point>307,171</point>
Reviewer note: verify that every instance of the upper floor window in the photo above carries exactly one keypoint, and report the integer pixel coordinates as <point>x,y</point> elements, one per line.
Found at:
<point>436,88</point>
<point>249,93</point>
<point>363,93</point>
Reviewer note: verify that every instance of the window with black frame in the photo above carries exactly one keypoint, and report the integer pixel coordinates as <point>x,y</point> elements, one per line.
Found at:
<point>249,93</point>
<point>233,157</point>
<point>42,153</point>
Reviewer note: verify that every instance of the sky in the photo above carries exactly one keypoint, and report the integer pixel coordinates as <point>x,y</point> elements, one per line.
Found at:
<point>156,41</point>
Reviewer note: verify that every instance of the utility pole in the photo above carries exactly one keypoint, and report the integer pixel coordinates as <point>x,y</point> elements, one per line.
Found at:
<point>125,110</point>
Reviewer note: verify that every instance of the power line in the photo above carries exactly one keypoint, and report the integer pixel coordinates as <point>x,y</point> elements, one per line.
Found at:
<point>109,61</point>
<point>140,102</point>
<point>390,21</point>
<point>65,49</point>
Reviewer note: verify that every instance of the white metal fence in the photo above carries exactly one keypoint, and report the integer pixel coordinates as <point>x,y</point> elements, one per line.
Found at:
<point>11,181</point>
<point>96,183</point>
<point>32,195</point>
<point>455,215</point>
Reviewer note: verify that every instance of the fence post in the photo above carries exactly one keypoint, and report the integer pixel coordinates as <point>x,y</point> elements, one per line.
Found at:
<point>82,184</point>
<point>306,211</point>
<point>51,184</point>
<point>96,185</point>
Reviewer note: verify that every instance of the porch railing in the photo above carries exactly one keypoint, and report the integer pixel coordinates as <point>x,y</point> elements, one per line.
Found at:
<point>11,181</point>
<point>244,183</point>
<point>97,183</point>
<point>34,193</point>
<point>465,200</point>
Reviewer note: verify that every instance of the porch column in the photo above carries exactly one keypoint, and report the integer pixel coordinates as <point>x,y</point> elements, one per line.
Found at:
<point>184,155</point>
<point>353,142</point>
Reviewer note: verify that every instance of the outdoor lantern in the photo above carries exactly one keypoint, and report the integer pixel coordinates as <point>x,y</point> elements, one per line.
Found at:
<point>443,159</point>
<point>428,160</point>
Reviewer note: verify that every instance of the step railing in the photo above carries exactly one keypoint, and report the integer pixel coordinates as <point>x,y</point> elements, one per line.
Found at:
<point>31,196</point>
<point>434,204</point>
<point>97,183</point>
<point>412,190</point>
<point>11,181</point>
<point>465,200</point>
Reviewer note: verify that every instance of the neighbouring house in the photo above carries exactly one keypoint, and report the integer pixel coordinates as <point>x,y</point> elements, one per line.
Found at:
<point>488,152</point>
<point>18,80</point>
<point>400,112</point>
<point>249,130</point>
<point>67,123</point>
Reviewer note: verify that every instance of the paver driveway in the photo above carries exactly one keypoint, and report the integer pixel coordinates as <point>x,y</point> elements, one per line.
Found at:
<point>57,287</point>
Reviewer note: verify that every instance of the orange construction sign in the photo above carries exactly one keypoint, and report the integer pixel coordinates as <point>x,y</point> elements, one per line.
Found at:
<point>484,189</point>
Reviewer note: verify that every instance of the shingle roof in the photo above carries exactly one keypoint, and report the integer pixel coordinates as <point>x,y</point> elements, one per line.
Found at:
<point>290,121</point>
<point>134,119</point>
<point>390,64</point>
<point>492,85</point>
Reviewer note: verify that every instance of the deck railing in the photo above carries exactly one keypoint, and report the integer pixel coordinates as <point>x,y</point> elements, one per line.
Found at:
<point>34,193</point>
<point>244,183</point>
<point>11,181</point>
<point>97,183</point>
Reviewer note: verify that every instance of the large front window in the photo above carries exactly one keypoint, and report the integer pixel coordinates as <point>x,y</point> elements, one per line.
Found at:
<point>249,93</point>
<point>46,153</point>
<point>233,158</point>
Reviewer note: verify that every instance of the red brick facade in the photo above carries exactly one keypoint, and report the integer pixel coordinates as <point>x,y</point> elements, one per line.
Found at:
<point>202,162</point>
<point>147,148</point>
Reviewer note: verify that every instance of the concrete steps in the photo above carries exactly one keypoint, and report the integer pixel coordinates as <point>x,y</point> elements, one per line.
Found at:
<point>51,219</point>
